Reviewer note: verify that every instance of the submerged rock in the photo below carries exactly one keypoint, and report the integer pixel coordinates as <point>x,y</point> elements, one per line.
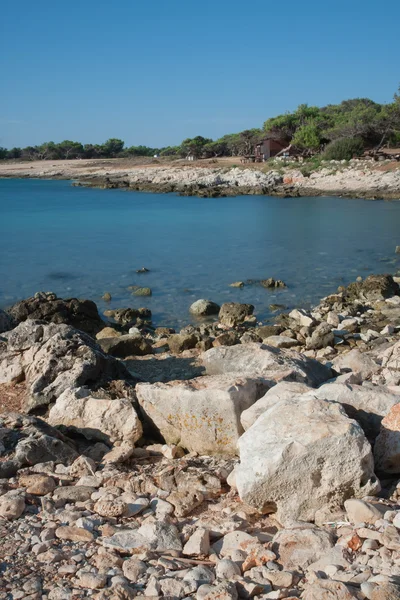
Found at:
<point>301,455</point>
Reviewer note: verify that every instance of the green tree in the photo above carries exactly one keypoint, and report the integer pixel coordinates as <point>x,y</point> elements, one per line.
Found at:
<point>68,149</point>
<point>112,147</point>
<point>307,136</point>
<point>194,146</point>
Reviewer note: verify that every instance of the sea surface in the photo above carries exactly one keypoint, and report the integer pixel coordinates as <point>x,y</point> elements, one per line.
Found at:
<point>80,242</point>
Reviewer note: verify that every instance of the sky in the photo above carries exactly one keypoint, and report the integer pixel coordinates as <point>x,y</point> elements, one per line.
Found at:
<point>154,72</point>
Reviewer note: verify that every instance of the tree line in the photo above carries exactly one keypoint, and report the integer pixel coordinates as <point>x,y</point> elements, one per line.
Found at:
<point>354,124</point>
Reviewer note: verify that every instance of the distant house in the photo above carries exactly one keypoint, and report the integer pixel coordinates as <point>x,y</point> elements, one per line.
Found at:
<point>268,148</point>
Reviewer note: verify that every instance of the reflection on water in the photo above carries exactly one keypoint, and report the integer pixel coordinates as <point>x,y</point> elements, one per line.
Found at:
<point>84,242</point>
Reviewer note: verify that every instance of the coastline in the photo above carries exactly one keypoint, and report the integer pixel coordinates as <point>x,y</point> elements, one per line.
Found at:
<point>357,179</point>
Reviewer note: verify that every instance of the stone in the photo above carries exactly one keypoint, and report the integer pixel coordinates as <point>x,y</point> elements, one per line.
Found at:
<point>372,289</point>
<point>225,590</point>
<point>321,337</point>
<point>74,534</point>
<point>301,317</point>
<point>280,341</point>
<point>198,543</point>
<point>125,345</point>
<point>142,291</point>
<point>80,314</point>
<point>327,590</point>
<point>11,506</point>
<point>301,455</point>
<point>235,540</point>
<point>92,581</point>
<point>272,283</point>
<point>52,358</point>
<point>298,548</point>
<point>227,569</point>
<point>108,332</point>
<point>357,362</point>
<point>6,322</point>
<point>237,284</point>
<point>203,308</point>
<point>200,575</point>
<point>72,493</point>
<point>280,391</point>
<point>387,444</point>
<point>234,313</point>
<point>134,569</point>
<point>37,485</point>
<point>110,508</point>
<point>259,360</point>
<point>201,415</point>
<point>96,418</point>
<point>359,511</point>
<point>229,338</point>
<point>159,536</point>
<point>381,591</point>
<point>179,342</point>
<point>367,405</point>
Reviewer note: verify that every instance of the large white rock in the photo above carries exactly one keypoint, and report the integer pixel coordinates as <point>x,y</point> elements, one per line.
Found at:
<point>366,404</point>
<point>203,414</point>
<point>357,362</point>
<point>302,455</point>
<point>51,358</point>
<point>259,360</point>
<point>280,391</point>
<point>96,418</point>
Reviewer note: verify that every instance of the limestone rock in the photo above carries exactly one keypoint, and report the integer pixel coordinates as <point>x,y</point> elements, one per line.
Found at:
<point>12,506</point>
<point>52,358</point>
<point>327,590</point>
<point>6,322</point>
<point>125,345</point>
<point>280,391</point>
<point>234,313</point>
<point>321,337</point>
<point>202,308</point>
<point>97,419</point>
<point>280,341</point>
<point>198,543</point>
<point>74,534</point>
<point>37,484</point>
<point>387,444</point>
<point>373,288</point>
<point>258,360</point>
<point>179,342</point>
<point>359,511</point>
<point>202,415</point>
<point>302,455</point>
<point>80,314</point>
<point>298,548</point>
<point>357,362</point>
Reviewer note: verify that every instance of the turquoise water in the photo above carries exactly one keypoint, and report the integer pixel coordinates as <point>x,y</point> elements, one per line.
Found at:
<point>84,242</point>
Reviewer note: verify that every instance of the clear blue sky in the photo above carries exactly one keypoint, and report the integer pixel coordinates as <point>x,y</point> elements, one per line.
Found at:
<point>154,72</point>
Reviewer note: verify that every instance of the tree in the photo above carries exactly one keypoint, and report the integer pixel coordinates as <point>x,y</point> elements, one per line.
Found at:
<point>68,149</point>
<point>307,136</point>
<point>112,147</point>
<point>344,149</point>
<point>194,146</point>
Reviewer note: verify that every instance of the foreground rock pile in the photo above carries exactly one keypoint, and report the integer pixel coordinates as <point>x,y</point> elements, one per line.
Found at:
<point>270,470</point>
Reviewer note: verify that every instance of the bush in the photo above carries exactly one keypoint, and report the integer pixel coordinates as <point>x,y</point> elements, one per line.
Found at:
<point>344,149</point>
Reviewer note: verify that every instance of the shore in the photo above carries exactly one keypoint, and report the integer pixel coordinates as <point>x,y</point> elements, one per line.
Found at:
<point>221,177</point>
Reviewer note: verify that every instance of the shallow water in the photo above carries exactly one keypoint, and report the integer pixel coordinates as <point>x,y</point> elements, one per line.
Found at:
<point>83,242</point>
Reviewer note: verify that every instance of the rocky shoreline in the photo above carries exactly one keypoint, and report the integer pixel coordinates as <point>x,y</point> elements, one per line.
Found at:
<point>232,459</point>
<point>356,179</point>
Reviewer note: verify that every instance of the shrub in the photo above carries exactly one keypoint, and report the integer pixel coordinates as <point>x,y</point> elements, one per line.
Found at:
<point>344,149</point>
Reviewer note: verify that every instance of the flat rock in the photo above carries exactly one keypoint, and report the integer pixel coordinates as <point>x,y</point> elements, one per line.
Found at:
<point>280,341</point>
<point>125,345</point>
<point>299,548</point>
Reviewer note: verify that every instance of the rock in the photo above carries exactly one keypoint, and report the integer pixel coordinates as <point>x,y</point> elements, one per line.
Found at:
<point>258,360</point>
<point>302,318</point>
<point>108,332</point>
<point>302,455</point>
<point>198,543</point>
<point>367,405</point>
<point>201,415</point>
<point>237,284</point>
<point>227,569</point>
<point>235,540</point>
<point>280,391</point>
<point>128,316</point>
<point>321,337</point>
<point>52,358</point>
<point>37,485</point>
<point>119,454</point>
<point>28,441</point>
<point>96,418</point>
<point>80,314</point>
<point>159,536</point>
<point>223,591</point>
<point>266,331</point>
<point>387,444</point>
<point>142,291</point>
<point>359,511</point>
<point>272,283</point>
<point>106,297</point>
<point>202,308</point>
<point>234,313</point>
<point>326,590</point>
<point>11,506</point>
<point>199,575</point>
<point>357,362</point>
<point>92,581</point>
<point>382,591</point>
<point>179,342</point>
<point>6,322</point>
<point>125,345</point>
<point>110,508</point>
<point>72,493</point>
<point>229,338</point>
<point>133,569</point>
<point>280,341</point>
<point>74,534</point>
<point>298,548</point>
<point>372,289</point>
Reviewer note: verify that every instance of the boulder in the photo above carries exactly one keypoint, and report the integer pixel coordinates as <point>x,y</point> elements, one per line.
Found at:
<point>179,342</point>
<point>299,548</point>
<point>366,404</point>
<point>128,316</point>
<point>142,291</point>
<point>125,345</point>
<point>302,455</point>
<point>203,414</point>
<point>234,313</point>
<point>52,358</point>
<point>80,314</point>
<point>272,283</point>
<point>203,308</point>
<point>357,362</point>
<point>258,360</point>
<point>28,441</point>
<point>280,391</point>
<point>97,418</point>
<point>321,337</point>
<point>301,317</point>
<point>372,289</point>
<point>387,444</point>
<point>6,322</point>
